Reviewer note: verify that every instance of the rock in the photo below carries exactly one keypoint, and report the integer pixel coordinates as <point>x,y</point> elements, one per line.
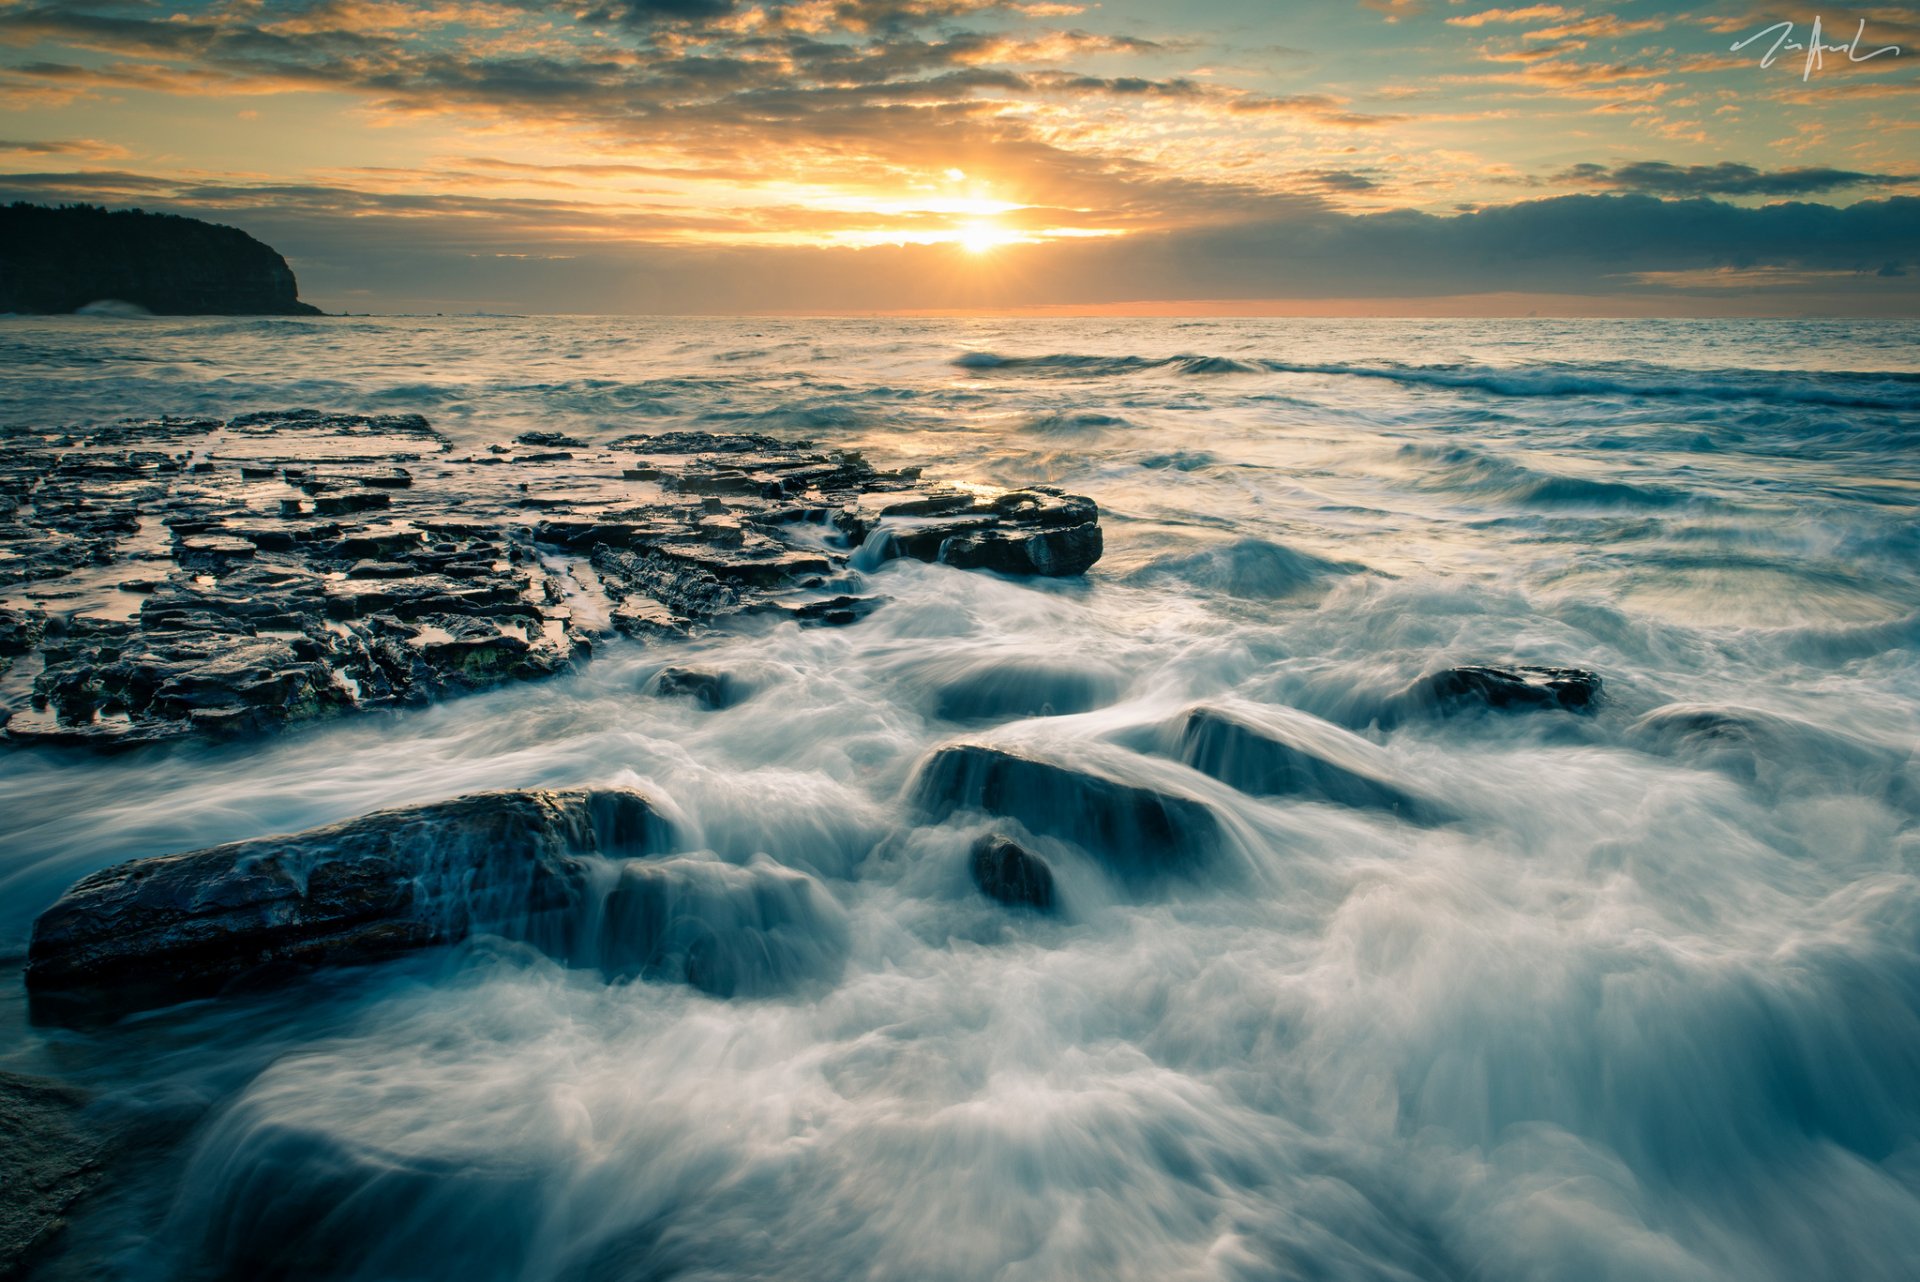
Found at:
<point>61,260</point>
<point>351,501</point>
<point>1006,871</point>
<point>1001,688</point>
<point>157,930</point>
<point>549,439</point>
<point>727,930</point>
<point>1284,752</point>
<point>1522,687</point>
<point>711,690</point>
<point>50,1158</point>
<point>1778,752</point>
<point>1041,530</point>
<point>1134,829</point>
<point>388,572</point>
<point>20,632</point>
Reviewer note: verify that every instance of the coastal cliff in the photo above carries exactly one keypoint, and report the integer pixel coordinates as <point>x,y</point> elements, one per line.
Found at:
<point>61,260</point>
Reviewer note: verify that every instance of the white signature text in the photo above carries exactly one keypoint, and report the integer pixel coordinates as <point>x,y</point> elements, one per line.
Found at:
<point>1815,49</point>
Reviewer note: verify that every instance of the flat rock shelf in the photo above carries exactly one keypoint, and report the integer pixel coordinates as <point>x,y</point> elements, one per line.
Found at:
<point>179,577</point>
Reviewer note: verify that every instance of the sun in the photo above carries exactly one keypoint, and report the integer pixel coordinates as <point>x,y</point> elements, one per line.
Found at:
<point>978,238</point>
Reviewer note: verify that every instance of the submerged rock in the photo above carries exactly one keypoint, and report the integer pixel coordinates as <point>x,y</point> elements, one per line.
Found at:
<point>997,689</point>
<point>50,1158</point>
<point>1521,687</point>
<point>1006,871</point>
<point>185,577</point>
<point>1779,752</point>
<point>156,930</point>
<point>727,930</point>
<point>710,689</point>
<point>1134,829</point>
<point>1284,752</point>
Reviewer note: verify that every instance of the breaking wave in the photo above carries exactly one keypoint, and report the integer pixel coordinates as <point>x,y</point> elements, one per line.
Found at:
<point>1883,390</point>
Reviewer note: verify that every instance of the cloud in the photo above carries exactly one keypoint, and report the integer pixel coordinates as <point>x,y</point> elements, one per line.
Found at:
<point>1531,13</point>
<point>1343,180</point>
<point>85,148</point>
<point>1395,10</point>
<point>1724,179</point>
<point>445,252</point>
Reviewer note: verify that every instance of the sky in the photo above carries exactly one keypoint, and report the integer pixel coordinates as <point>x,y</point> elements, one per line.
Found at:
<point>1385,157</point>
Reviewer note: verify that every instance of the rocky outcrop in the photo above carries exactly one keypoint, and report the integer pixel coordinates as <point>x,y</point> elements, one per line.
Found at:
<point>1283,752</point>
<point>60,260</point>
<point>183,577</point>
<point>1040,530</point>
<point>1006,871</point>
<point>1134,829</point>
<point>163,928</point>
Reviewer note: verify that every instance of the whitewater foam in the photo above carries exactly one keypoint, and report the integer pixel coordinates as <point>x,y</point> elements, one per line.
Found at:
<point>1646,1004</point>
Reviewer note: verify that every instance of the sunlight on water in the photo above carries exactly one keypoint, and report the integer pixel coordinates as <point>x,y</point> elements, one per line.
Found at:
<point>1626,995</point>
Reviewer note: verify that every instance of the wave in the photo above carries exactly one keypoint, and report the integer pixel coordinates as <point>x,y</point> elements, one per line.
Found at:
<point>1101,366</point>
<point>1249,569</point>
<point>1865,389</point>
<point>1456,468</point>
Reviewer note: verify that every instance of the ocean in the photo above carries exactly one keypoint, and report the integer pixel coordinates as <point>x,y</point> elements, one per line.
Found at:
<point>1644,1004</point>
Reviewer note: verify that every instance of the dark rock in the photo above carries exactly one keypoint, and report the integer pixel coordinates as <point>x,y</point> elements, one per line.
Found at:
<point>156,930</point>
<point>381,570</point>
<point>20,631</point>
<point>711,690</point>
<point>1284,752</point>
<point>998,689</point>
<point>727,930</point>
<point>1519,688</point>
<point>1006,871</point>
<point>407,575</point>
<point>349,502</point>
<point>550,438</point>
<point>60,260</point>
<point>1040,530</point>
<point>1134,829</point>
<point>50,1158</point>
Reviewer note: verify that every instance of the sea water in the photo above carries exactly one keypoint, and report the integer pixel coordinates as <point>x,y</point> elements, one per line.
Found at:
<point>1636,1010</point>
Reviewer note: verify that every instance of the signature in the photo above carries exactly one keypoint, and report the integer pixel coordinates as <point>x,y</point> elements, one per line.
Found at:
<point>1816,50</point>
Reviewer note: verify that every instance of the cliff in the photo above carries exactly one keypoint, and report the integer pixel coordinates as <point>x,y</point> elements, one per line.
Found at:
<point>60,260</point>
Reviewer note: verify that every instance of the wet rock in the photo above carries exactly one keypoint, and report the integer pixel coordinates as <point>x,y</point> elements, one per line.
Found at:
<point>388,572</point>
<point>1519,688</point>
<point>50,1158</point>
<point>1779,752</point>
<point>711,690</point>
<point>1005,871</point>
<point>156,930</point>
<point>1002,688</point>
<point>549,439</point>
<point>1133,828</point>
<point>20,632</point>
<point>350,502</point>
<point>727,930</point>
<point>1285,752</point>
<point>1041,530</point>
